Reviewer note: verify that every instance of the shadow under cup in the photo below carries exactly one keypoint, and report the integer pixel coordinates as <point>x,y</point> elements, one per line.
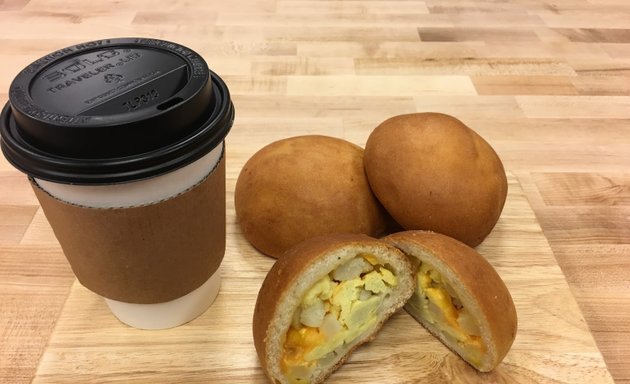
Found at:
<point>123,142</point>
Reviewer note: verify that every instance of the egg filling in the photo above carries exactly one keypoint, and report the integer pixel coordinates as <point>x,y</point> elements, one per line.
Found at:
<point>333,313</point>
<point>436,301</point>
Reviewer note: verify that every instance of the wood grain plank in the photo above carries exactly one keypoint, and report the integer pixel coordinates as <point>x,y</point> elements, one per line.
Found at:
<point>587,17</point>
<point>391,49</point>
<point>323,20</point>
<point>524,85</point>
<point>602,84</point>
<point>604,107</point>
<point>472,66</point>
<point>39,233</point>
<point>510,19</point>
<point>15,189</point>
<point>491,106</point>
<point>13,5</point>
<point>459,6</point>
<point>575,226</point>
<point>352,7</point>
<point>478,34</point>
<point>583,189</point>
<point>15,221</point>
<point>340,85</point>
<point>308,33</point>
<point>323,106</point>
<point>595,35</point>
<point>595,267</point>
<point>33,296</point>
<point>309,66</point>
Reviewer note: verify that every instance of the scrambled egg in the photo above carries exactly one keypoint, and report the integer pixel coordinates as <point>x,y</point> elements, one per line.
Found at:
<point>436,301</point>
<point>334,313</point>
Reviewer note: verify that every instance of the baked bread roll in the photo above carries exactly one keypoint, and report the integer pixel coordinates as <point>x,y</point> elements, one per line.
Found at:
<point>459,298</point>
<point>431,172</point>
<point>321,301</point>
<point>305,186</point>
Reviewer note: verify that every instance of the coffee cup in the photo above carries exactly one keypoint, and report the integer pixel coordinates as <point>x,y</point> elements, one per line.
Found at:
<point>123,141</point>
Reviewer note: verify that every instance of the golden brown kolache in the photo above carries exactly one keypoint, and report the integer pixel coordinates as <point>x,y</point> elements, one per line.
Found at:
<point>459,298</point>
<point>305,186</point>
<point>432,172</point>
<point>324,298</point>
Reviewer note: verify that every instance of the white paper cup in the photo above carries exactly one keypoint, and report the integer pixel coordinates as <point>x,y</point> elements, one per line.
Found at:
<point>123,141</point>
<point>160,315</point>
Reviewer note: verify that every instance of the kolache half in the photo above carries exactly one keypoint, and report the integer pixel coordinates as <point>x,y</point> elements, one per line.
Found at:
<point>322,300</point>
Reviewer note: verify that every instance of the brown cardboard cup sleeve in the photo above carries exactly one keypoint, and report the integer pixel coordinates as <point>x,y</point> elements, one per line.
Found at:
<point>145,254</point>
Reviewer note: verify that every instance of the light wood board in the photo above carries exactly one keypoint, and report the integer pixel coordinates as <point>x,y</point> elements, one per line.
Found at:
<point>553,343</point>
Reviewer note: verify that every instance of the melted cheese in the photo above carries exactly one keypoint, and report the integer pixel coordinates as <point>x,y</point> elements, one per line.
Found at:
<point>298,343</point>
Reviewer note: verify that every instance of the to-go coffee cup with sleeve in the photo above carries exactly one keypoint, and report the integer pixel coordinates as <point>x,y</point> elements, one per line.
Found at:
<point>123,141</point>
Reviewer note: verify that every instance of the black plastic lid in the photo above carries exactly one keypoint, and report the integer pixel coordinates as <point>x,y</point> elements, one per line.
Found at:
<point>114,110</point>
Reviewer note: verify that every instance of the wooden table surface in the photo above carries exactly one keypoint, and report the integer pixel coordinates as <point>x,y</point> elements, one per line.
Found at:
<point>547,83</point>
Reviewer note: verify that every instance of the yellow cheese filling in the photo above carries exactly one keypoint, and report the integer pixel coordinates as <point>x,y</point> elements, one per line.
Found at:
<point>436,301</point>
<point>333,313</point>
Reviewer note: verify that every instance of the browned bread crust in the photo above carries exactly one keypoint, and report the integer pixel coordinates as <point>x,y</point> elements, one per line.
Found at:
<point>431,172</point>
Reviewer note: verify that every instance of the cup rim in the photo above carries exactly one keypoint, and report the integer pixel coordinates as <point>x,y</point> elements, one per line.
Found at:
<point>26,155</point>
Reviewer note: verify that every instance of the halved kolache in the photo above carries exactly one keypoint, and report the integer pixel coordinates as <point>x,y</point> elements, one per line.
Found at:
<point>323,299</point>
<point>459,297</point>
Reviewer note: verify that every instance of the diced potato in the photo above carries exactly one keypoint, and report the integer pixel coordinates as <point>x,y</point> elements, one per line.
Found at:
<point>468,323</point>
<point>333,334</point>
<point>434,313</point>
<point>330,326</point>
<point>418,302</point>
<point>352,269</point>
<point>320,291</point>
<point>313,315</point>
